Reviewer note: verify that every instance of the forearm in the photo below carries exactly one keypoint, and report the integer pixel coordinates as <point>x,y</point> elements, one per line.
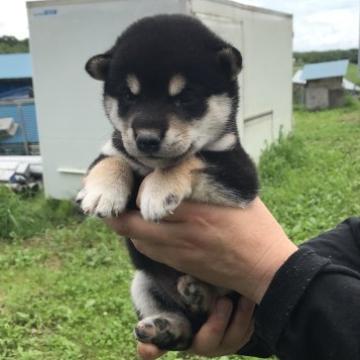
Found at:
<point>309,310</point>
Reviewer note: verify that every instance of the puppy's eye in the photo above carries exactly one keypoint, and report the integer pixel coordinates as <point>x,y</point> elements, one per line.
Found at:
<point>185,98</point>
<point>127,96</point>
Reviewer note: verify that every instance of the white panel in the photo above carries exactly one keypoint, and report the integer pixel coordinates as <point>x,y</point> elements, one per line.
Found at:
<point>258,133</point>
<point>232,8</point>
<point>268,69</point>
<point>71,121</point>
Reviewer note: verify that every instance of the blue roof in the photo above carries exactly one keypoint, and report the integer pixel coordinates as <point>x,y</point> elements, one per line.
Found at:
<point>15,66</point>
<point>325,70</point>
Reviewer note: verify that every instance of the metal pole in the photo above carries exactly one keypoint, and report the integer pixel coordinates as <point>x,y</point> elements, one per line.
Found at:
<point>23,128</point>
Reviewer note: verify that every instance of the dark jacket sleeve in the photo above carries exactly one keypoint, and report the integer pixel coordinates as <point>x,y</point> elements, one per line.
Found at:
<point>311,310</point>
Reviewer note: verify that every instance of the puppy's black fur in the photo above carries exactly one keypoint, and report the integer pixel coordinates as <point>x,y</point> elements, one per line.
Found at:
<point>171,93</point>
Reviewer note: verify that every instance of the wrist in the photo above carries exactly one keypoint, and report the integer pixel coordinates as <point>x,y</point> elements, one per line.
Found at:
<point>275,257</point>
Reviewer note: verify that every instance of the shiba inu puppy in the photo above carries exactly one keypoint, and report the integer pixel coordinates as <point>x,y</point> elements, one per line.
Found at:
<point>171,94</point>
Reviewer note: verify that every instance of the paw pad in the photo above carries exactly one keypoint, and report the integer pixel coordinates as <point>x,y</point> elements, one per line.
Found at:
<point>171,200</point>
<point>169,332</point>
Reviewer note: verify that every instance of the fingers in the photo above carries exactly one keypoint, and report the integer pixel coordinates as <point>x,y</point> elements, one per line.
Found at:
<point>217,337</point>
<point>151,239</point>
<point>189,210</point>
<point>132,225</point>
<point>210,336</point>
<point>241,327</point>
<point>148,351</point>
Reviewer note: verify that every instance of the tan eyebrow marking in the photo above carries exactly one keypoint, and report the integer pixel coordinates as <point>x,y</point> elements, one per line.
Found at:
<point>176,85</point>
<point>133,84</point>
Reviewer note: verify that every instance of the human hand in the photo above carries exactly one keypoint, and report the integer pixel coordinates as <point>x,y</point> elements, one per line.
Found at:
<point>222,334</point>
<point>238,249</point>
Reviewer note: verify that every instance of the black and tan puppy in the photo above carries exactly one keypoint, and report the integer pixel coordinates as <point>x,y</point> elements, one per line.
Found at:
<point>171,94</point>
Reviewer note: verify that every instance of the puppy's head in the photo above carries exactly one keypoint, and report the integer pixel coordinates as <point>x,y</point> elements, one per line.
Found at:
<point>170,87</point>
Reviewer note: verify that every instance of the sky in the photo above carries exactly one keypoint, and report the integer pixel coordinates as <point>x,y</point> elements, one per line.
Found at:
<point>318,24</point>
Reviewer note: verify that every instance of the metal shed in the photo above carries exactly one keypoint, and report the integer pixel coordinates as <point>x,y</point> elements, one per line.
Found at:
<point>17,104</point>
<point>322,85</point>
<point>72,123</point>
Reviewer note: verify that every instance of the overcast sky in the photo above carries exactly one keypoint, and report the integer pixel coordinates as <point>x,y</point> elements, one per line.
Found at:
<point>318,24</point>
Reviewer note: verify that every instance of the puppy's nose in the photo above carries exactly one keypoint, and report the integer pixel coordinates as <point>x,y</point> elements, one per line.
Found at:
<point>148,143</point>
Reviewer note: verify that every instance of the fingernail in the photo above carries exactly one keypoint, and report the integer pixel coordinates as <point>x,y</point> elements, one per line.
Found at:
<point>223,307</point>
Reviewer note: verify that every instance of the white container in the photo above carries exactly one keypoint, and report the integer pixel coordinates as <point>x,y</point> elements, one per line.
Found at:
<point>71,121</point>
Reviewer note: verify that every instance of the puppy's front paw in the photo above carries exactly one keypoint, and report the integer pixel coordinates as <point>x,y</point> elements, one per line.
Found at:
<point>103,201</point>
<point>161,193</point>
<point>106,188</point>
<point>156,203</point>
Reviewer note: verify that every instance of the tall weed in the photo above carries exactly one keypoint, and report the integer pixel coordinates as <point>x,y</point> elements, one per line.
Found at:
<point>23,217</point>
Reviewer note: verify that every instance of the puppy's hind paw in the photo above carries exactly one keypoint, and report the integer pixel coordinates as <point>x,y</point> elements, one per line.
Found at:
<point>197,295</point>
<point>167,331</point>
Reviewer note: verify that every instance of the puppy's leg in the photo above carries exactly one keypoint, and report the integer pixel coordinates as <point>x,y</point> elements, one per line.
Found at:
<point>158,324</point>
<point>163,190</point>
<point>229,179</point>
<point>107,186</point>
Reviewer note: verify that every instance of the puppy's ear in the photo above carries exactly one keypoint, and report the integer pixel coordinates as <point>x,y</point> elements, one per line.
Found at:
<point>231,61</point>
<point>98,65</point>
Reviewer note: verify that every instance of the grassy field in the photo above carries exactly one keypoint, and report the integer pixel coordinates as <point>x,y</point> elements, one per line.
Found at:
<point>64,282</point>
<point>353,74</point>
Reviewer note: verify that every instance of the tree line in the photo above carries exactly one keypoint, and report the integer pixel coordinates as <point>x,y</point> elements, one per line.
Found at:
<point>309,57</point>
<point>11,45</point>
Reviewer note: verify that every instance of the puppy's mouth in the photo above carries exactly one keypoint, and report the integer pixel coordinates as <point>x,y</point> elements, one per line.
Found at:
<point>163,160</point>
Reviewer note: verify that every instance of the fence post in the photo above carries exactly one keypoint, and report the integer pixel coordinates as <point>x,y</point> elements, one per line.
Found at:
<point>22,125</point>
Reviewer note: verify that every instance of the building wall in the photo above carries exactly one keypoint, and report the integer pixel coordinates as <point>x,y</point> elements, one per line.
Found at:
<point>337,97</point>
<point>299,94</point>
<point>324,93</point>
<point>316,98</point>
<point>329,83</point>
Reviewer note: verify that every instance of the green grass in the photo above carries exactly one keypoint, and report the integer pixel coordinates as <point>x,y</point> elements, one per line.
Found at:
<point>353,74</point>
<point>64,283</point>
<point>23,216</point>
<point>311,180</point>
<point>64,295</point>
